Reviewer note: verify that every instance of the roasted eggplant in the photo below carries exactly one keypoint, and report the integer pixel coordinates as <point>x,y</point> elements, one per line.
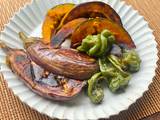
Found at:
<point>65,31</point>
<point>44,83</point>
<point>67,62</point>
<point>97,25</point>
<point>92,10</point>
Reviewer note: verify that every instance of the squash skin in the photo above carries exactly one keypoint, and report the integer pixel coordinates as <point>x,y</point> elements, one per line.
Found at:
<point>52,20</point>
<point>95,26</point>
<point>65,32</point>
<point>92,10</point>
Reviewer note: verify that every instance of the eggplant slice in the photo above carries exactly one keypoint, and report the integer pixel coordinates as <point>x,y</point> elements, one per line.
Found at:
<point>44,83</point>
<point>66,62</point>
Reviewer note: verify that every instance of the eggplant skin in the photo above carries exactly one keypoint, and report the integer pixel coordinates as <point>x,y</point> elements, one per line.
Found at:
<point>66,62</point>
<point>20,63</point>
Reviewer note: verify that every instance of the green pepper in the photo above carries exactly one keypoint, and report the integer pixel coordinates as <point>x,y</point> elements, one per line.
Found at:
<point>131,60</point>
<point>116,78</point>
<point>118,82</point>
<point>107,69</point>
<point>111,39</point>
<point>116,62</point>
<point>85,44</point>
<point>95,89</point>
<point>97,45</point>
<point>104,43</point>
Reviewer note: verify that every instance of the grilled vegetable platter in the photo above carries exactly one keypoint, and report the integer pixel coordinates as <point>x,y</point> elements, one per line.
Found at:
<point>83,47</point>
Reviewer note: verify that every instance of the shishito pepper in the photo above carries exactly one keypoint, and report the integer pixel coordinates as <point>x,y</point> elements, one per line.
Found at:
<point>116,78</point>
<point>95,89</point>
<point>131,60</point>
<point>97,45</point>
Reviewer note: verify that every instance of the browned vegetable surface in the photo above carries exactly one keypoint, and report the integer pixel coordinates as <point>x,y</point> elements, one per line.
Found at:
<point>53,19</point>
<point>67,62</point>
<point>65,32</point>
<point>92,10</point>
<point>34,77</point>
<point>95,26</point>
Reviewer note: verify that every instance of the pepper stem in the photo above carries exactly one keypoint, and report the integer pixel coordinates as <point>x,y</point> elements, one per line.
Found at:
<point>26,40</point>
<point>4,47</point>
<point>23,37</point>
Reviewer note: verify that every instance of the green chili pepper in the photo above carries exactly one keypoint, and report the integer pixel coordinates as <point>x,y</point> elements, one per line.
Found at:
<point>96,47</point>
<point>95,90</point>
<point>116,62</point>
<point>115,76</point>
<point>131,60</point>
<point>107,69</point>
<point>85,44</point>
<point>104,43</point>
<point>111,67</point>
<point>111,39</point>
<point>118,82</point>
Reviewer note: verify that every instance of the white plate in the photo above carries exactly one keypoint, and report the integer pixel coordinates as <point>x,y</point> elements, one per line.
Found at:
<point>29,20</point>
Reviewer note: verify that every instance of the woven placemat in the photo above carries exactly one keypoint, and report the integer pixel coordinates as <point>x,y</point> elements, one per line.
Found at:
<point>11,108</point>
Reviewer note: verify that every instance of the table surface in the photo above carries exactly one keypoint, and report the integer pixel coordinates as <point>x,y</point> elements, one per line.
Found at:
<point>11,108</point>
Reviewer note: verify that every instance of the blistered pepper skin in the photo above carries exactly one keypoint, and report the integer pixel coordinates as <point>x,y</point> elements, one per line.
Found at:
<point>97,45</point>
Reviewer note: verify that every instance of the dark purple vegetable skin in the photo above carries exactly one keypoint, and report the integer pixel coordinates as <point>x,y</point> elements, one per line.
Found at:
<point>21,64</point>
<point>67,62</point>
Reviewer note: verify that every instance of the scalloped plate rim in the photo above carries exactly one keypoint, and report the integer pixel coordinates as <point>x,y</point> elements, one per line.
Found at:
<point>28,4</point>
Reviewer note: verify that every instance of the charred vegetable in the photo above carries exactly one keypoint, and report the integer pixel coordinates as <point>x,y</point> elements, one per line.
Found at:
<point>97,45</point>
<point>65,31</point>
<point>66,62</point>
<point>92,10</point>
<point>33,77</point>
<point>131,61</point>
<point>118,82</point>
<point>95,89</point>
<point>116,79</point>
<point>53,19</point>
<point>97,25</point>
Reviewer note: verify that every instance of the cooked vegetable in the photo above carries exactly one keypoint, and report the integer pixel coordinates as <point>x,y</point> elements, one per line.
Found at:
<point>103,52</point>
<point>53,19</point>
<point>92,10</point>
<point>106,68</point>
<point>131,60</point>
<point>116,78</point>
<point>67,62</point>
<point>65,32</point>
<point>95,89</point>
<point>118,82</point>
<point>97,25</point>
<point>97,45</point>
<point>116,62</point>
<point>32,76</point>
